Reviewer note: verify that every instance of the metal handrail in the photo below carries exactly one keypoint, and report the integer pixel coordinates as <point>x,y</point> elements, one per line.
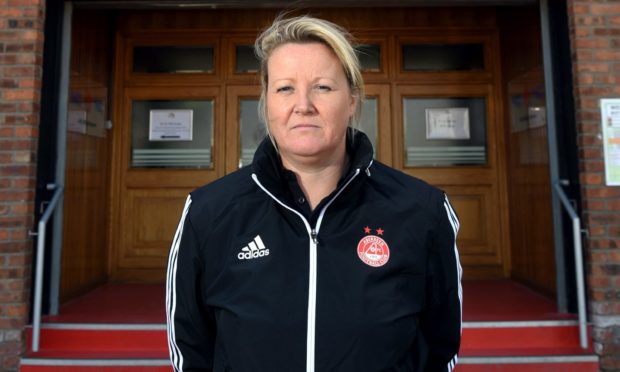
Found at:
<point>581,295</point>
<point>38,286</point>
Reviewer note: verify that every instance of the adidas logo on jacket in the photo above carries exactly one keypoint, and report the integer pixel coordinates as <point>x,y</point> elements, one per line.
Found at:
<point>254,249</point>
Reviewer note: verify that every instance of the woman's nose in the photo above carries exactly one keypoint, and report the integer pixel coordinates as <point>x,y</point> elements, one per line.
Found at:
<point>304,104</point>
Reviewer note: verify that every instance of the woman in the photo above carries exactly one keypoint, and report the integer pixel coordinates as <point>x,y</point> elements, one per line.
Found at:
<point>314,257</point>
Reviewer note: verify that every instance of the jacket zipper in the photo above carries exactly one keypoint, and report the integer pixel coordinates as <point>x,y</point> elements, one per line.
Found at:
<point>313,237</point>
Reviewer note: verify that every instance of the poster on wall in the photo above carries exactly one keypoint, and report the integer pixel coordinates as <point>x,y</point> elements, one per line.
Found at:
<point>610,127</point>
<point>170,125</point>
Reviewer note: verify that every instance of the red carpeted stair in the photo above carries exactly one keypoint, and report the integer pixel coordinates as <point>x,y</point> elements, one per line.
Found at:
<point>99,347</point>
<point>507,328</point>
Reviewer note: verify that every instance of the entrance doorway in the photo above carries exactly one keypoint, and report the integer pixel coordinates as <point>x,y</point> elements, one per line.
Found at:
<point>445,103</point>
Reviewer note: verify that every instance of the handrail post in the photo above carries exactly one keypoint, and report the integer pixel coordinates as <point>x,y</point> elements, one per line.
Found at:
<point>578,251</point>
<point>38,279</point>
<point>581,297</point>
<point>38,287</point>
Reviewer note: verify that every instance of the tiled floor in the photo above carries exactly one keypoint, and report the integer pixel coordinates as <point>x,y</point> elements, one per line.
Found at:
<point>484,300</point>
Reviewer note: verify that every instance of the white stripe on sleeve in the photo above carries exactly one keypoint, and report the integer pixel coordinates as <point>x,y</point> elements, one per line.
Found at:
<point>171,294</point>
<point>454,221</point>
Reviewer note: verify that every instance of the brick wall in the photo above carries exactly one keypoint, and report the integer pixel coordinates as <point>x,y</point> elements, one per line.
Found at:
<point>595,42</point>
<point>21,51</point>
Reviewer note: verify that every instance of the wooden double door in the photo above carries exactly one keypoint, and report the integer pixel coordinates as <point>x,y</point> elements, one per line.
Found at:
<point>184,114</point>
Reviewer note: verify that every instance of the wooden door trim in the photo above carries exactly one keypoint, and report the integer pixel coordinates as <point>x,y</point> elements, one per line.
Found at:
<point>115,151</point>
<point>503,128</point>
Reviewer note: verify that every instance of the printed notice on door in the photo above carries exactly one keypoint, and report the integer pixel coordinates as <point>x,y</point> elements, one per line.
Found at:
<point>447,123</point>
<point>170,125</point>
<point>610,124</point>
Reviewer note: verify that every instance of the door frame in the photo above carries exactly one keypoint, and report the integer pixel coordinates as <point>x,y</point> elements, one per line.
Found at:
<point>548,75</point>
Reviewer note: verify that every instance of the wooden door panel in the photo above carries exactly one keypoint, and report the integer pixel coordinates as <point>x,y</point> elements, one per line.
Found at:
<point>478,239</point>
<point>146,244</point>
<point>473,231</point>
<point>84,248</point>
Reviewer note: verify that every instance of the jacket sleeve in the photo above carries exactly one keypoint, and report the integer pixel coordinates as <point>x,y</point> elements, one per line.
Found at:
<point>190,325</point>
<point>440,322</point>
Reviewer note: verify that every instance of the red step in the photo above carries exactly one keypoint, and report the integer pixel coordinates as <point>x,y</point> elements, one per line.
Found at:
<point>98,347</point>
<point>524,346</point>
<point>90,365</point>
<point>523,334</point>
<point>564,364</point>
<point>487,346</point>
<point>130,338</point>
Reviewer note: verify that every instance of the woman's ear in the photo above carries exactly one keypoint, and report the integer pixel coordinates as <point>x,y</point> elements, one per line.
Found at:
<point>353,106</point>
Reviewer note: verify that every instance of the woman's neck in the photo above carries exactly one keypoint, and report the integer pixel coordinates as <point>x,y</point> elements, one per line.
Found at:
<point>317,180</point>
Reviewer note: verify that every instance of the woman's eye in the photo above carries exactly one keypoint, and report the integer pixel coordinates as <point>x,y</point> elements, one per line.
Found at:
<point>324,88</point>
<point>284,89</point>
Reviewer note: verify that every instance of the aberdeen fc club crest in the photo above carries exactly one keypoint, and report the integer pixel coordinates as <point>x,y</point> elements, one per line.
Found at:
<point>372,249</point>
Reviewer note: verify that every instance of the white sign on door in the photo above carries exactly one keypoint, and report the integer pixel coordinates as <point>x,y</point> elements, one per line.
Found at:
<point>171,125</point>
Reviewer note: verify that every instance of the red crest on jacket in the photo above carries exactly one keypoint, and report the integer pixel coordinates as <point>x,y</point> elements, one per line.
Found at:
<point>373,251</point>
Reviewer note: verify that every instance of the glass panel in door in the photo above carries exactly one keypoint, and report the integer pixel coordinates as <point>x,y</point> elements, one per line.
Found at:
<point>172,134</point>
<point>245,59</point>
<point>173,59</point>
<point>443,57</point>
<point>442,131</point>
<point>252,130</point>
<point>369,120</point>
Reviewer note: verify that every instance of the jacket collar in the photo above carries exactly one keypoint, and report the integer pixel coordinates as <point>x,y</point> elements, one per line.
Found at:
<point>268,167</point>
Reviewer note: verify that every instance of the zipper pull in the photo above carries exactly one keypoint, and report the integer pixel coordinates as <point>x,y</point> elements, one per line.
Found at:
<point>314,239</point>
<point>368,168</point>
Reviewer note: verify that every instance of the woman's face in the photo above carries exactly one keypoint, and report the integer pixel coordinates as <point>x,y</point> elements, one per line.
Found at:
<point>308,101</point>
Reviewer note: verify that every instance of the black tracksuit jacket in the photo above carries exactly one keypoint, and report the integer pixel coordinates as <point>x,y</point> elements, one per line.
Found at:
<point>367,281</point>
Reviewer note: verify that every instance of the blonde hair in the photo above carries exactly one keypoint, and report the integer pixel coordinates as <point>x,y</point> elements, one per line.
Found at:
<point>306,29</point>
